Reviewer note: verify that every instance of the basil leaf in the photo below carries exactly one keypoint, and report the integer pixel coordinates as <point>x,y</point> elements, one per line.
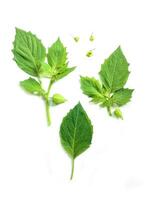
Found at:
<point>76,133</point>
<point>114,71</point>
<point>28,52</point>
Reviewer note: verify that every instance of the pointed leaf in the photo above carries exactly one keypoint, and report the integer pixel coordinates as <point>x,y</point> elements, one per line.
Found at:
<point>114,72</point>
<point>57,55</point>
<point>91,87</point>
<point>28,52</point>
<point>76,131</point>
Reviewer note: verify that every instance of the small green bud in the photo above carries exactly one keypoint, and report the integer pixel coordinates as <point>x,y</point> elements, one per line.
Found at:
<point>92,38</point>
<point>118,113</point>
<point>89,53</point>
<point>58,99</point>
<point>76,38</point>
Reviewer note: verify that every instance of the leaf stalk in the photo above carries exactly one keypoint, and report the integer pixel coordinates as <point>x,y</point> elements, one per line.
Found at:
<point>47,104</point>
<point>72,169</point>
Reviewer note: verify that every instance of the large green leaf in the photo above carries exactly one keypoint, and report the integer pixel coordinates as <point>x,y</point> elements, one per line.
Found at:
<point>121,97</point>
<point>57,55</point>
<point>28,51</point>
<point>32,86</point>
<point>114,71</point>
<point>76,132</point>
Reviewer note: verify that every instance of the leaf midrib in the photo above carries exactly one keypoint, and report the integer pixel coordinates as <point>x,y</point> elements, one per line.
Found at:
<point>113,75</point>
<point>75,129</point>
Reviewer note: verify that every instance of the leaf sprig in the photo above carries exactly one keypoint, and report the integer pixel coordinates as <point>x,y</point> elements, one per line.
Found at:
<point>109,91</point>
<point>30,55</point>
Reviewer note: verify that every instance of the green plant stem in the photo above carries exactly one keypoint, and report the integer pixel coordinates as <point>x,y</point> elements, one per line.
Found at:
<point>109,111</point>
<point>72,169</point>
<point>48,113</point>
<point>47,103</point>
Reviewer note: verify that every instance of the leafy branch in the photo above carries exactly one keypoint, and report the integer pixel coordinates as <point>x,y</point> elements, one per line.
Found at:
<point>30,55</point>
<point>109,91</point>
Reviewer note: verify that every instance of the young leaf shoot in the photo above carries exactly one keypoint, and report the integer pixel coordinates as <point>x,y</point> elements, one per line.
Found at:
<point>109,91</point>
<point>30,55</point>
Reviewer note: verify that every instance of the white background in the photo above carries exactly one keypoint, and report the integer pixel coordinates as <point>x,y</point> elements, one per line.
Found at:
<point>33,165</point>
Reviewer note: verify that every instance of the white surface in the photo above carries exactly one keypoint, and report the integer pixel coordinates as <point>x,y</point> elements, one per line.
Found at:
<point>32,163</point>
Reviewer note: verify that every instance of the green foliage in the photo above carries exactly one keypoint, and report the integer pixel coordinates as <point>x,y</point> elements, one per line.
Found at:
<point>91,87</point>
<point>30,55</point>
<point>57,55</point>
<point>76,133</point>
<point>114,71</point>
<point>63,72</point>
<point>122,96</point>
<point>109,92</point>
<point>32,86</point>
<point>28,51</point>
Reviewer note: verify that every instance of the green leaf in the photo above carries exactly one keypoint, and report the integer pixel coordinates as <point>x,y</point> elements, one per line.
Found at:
<point>63,73</point>
<point>32,86</point>
<point>91,87</point>
<point>109,91</point>
<point>57,55</point>
<point>28,51</point>
<point>97,100</point>
<point>57,59</point>
<point>114,71</point>
<point>76,132</point>
<point>45,71</point>
<point>121,97</point>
